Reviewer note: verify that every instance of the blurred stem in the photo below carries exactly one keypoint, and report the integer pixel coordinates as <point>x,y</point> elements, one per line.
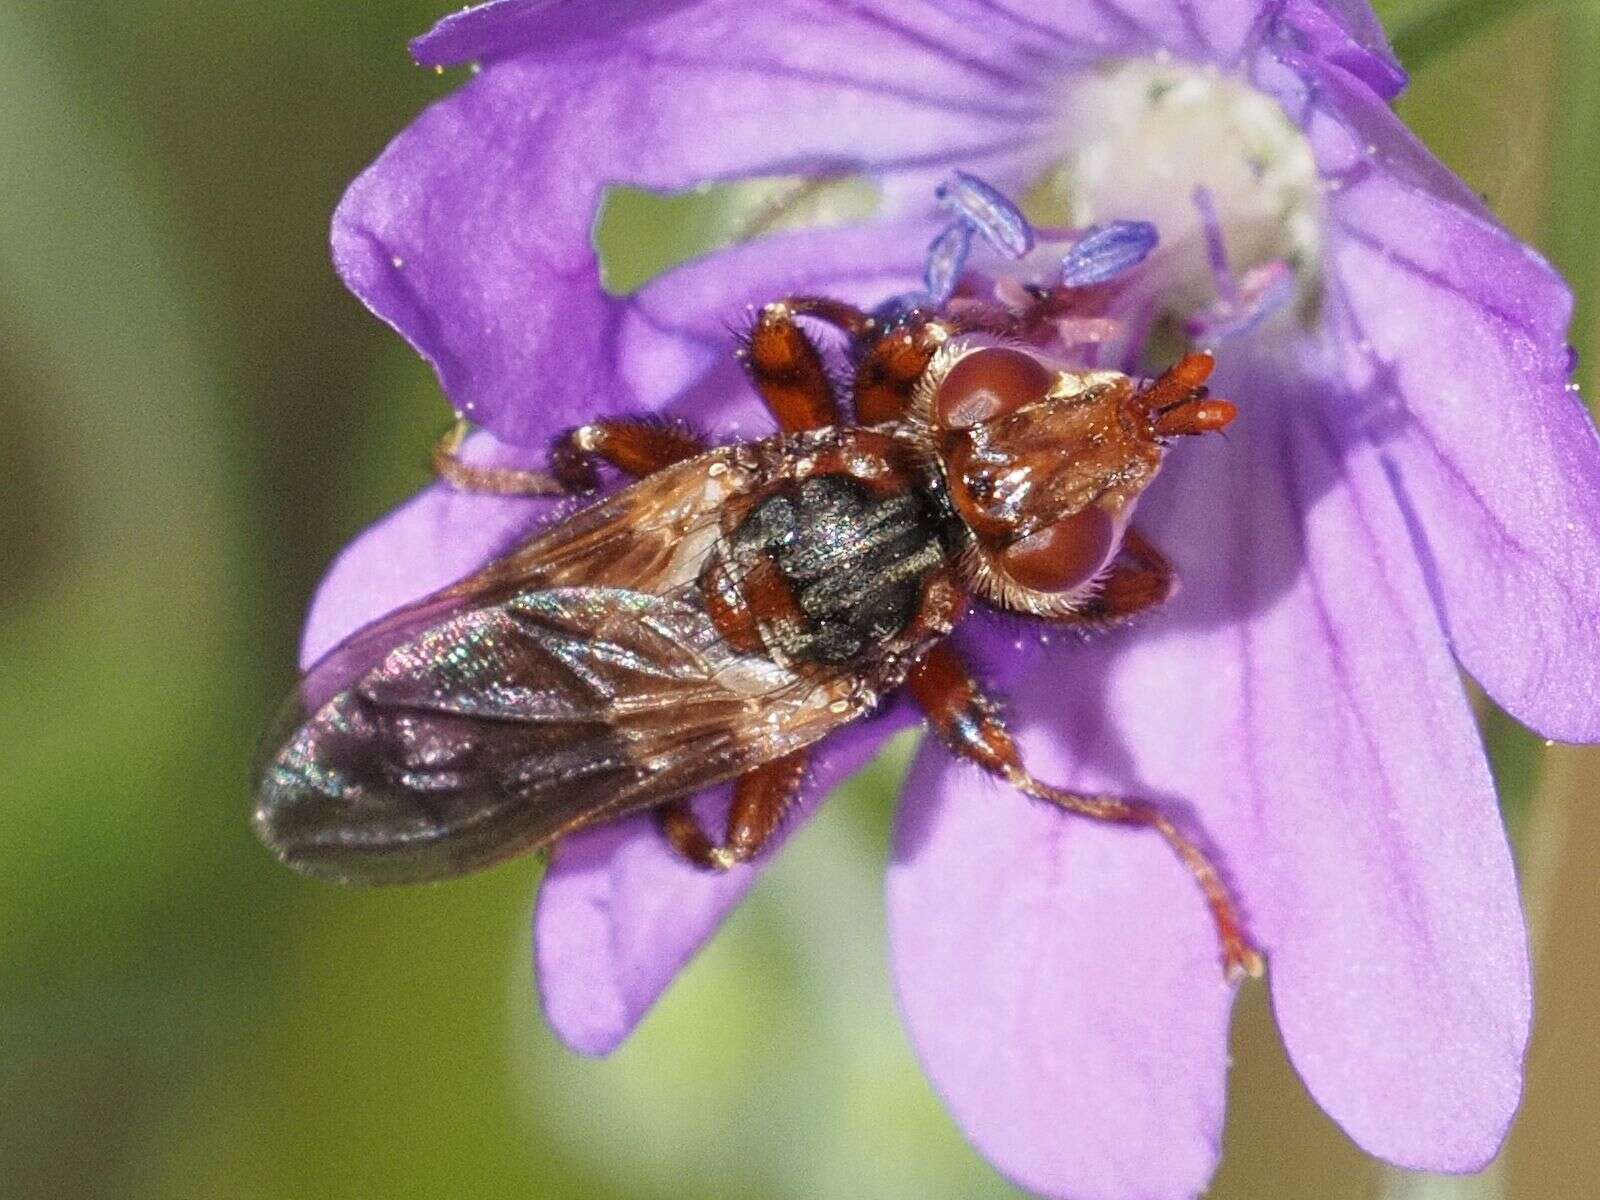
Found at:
<point>1404,1185</point>
<point>1553,1153</point>
<point>1552,1150</point>
<point>1573,218</point>
<point>1516,756</point>
<point>1424,30</point>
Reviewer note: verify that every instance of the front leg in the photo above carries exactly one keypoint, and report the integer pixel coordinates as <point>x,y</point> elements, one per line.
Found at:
<point>889,369</point>
<point>971,727</point>
<point>1138,579</point>
<point>890,366</point>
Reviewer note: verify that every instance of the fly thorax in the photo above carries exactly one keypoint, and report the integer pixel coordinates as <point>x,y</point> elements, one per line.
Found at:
<point>833,569</point>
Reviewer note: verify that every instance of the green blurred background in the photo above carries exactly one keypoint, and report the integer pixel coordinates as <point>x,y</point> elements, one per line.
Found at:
<point>196,417</point>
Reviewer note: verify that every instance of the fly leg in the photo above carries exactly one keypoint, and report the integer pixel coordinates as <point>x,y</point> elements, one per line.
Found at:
<point>492,481</point>
<point>1138,579</point>
<point>969,725</point>
<point>889,355</point>
<point>891,358</point>
<point>889,368</point>
<point>787,367</point>
<point>761,798</point>
<point>637,448</point>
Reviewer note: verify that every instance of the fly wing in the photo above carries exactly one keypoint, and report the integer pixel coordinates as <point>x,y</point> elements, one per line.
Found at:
<point>506,726</point>
<point>651,537</point>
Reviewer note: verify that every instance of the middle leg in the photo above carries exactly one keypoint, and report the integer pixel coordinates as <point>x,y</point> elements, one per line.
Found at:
<point>637,448</point>
<point>968,723</point>
<point>887,372</point>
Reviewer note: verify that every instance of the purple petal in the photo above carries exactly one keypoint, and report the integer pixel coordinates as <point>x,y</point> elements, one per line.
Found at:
<point>471,234</point>
<point>1106,251</point>
<point>620,914</point>
<point>657,344</point>
<point>1457,334</point>
<point>987,209</point>
<point>1348,35</point>
<point>1300,695</point>
<point>989,33</point>
<point>504,27</point>
<point>1222,32</point>
<point>1378,872</point>
<point>1217,31</point>
<point>1061,986</point>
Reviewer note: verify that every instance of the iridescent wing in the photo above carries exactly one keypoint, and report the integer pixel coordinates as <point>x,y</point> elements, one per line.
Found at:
<point>505,712</point>
<point>651,537</point>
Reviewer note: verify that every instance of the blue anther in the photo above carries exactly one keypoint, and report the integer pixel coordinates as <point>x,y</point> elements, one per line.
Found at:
<point>1106,251</point>
<point>947,255</point>
<point>989,212</point>
<point>898,307</point>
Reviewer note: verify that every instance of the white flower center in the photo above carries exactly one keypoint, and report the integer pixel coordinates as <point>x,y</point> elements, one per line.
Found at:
<point>1141,137</point>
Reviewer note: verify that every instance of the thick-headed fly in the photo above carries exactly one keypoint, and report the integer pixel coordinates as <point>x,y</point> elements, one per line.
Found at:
<point>733,605</point>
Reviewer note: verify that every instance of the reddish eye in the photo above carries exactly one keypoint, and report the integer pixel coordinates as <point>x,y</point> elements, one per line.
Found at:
<point>1062,556</point>
<point>989,383</point>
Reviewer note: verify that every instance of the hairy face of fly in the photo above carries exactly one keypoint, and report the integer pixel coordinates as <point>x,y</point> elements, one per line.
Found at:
<point>1045,464</point>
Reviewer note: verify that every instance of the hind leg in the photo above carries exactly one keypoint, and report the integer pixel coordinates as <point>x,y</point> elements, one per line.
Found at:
<point>761,798</point>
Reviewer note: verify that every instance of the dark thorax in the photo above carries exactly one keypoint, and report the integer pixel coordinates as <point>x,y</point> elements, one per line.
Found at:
<point>842,558</point>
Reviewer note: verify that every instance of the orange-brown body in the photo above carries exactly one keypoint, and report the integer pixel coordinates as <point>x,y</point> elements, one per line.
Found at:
<point>734,605</point>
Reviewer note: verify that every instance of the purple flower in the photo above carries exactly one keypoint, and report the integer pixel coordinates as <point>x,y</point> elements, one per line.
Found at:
<point>1412,486</point>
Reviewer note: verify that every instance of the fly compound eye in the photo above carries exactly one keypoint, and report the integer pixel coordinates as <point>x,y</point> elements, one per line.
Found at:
<point>1064,555</point>
<point>989,383</point>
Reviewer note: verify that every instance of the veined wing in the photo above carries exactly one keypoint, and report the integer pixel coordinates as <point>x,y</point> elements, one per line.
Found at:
<point>651,537</point>
<point>506,726</point>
